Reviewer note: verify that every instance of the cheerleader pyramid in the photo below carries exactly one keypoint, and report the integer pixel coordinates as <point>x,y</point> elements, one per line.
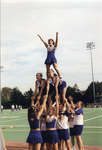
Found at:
<point>52,119</point>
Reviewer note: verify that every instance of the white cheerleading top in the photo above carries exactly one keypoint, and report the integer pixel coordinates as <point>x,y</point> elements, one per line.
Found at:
<point>50,118</point>
<point>50,48</point>
<point>78,118</point>
<point>62,123</point>
<point>71,122</point>
<point>43,126</point>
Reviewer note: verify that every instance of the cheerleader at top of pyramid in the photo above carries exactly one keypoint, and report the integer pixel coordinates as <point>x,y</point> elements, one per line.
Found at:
<point>51,59</point>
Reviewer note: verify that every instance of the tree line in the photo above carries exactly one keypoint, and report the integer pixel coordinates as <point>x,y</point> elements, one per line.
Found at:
<point>16,97</point>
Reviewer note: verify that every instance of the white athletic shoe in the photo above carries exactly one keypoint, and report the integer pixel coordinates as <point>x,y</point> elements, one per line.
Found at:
<point>73,148</point>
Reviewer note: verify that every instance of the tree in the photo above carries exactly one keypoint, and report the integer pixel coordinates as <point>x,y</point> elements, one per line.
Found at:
<point>27,97</point>
<point>6,96</point>
<point>75,93</point>
<point>17,97</point>
<point>89,91</point>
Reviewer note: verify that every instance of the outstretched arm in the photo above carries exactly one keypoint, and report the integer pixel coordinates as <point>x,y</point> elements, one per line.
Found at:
<point>56,43</point>
<point>71,101</point>
<point>44,102</point>
<point>46,45</point>
<point>42,88</point>
<point>57,99</point>
<point>34,96</point>
<point>69,109</point>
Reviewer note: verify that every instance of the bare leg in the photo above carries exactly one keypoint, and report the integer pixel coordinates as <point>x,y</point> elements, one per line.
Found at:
<point>49,146</point>
<point>43,146</point>
<point>64,94</point>
<point>56,68</point>
<point>68,145</point>
<point>80,142</point>
<point>72,141</point>
<point>59,146</point>
<point>30,146</point>
<point>37,146</point>
<point>47,70</point>
<point>63,145</point>
<point>55,146</point>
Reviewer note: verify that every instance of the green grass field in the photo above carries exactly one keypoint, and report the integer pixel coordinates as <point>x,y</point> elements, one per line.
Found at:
<point>92,134</point>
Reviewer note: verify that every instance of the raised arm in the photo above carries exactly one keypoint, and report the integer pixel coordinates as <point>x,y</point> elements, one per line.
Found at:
<point>69,109</point>
<point>56,43</point>
<point>34,96</point>
<point>41,90</point>
<point>71,101</point>
<point>67,105</point>
<point>57,99</point>
<point>44,102</point>
<point>46,45</point>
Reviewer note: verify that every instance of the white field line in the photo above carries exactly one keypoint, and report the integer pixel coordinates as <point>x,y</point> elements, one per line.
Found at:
<point>27,126</point>
<point>16,130</point>
<point>94,132</point>
<point>18,126</point>
<point>14,119</point>
<point>93,127</point>
<point>5,117</point>
<point>9,113</point>
<point>93,118</point>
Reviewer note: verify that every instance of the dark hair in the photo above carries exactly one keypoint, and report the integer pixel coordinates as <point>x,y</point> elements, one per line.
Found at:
<point>51,40</point>
<point>39,74</point>
<point>31,111</point>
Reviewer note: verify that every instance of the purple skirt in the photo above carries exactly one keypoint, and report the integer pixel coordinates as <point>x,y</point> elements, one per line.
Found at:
<point>63,134</point>
<point>50,58</point>
<point>61,87</point>
<point>44,136</point>
<point>78,130</point>
<point>72,131</point>
<point>52,137</point>
<point>34,137</point>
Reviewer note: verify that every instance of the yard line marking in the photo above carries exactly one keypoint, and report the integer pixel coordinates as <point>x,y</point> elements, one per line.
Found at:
<point>14,126</point>
<point>5,117</point>
<point>14,119</point>
<point>92,132</point>
<point>11,130</point>
<point>93,118</point>
<point>100,127</point>
<point>16,130</point>
<point>26,126</point>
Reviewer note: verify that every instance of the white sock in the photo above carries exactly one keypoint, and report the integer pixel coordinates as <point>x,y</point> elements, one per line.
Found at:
<point>73,148</point>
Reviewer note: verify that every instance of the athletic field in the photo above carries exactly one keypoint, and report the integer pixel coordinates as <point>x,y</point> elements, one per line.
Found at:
<point>15,126</point>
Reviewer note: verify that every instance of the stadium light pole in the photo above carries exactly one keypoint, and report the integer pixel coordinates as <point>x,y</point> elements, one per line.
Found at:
<point>90,46</point>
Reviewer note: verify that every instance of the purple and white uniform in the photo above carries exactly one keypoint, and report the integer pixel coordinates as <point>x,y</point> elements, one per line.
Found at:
<point>63,126</point>
<point>78,122</point>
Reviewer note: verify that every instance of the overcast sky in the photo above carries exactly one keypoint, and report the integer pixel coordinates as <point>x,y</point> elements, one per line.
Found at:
<point>23,54</point>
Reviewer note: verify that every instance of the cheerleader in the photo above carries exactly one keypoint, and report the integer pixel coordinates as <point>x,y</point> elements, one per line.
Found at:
<point>63,127</point>
<point>71,123</point>
<point>43,130</point>
<point>40,89</point>
<point>35,139</point>
<point>51,48</point>
<point>71,127</point>
<point>53,80</point>
<point>51,119</point>
<point>78,124</point>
